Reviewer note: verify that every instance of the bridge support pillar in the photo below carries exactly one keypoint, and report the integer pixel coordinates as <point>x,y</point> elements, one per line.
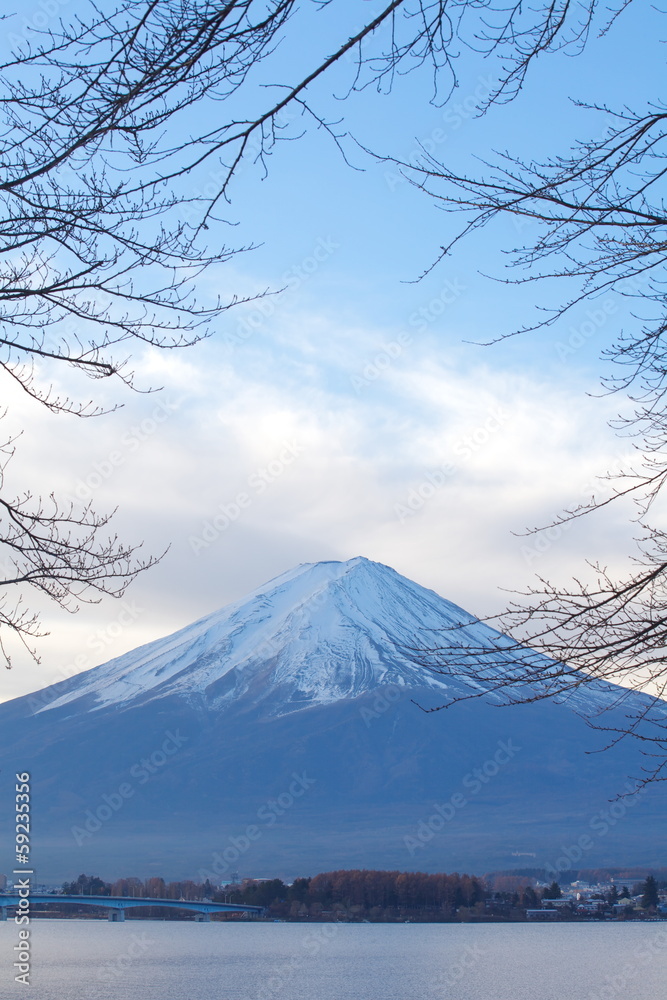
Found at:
<point>116,916</point>
<point>3,913</point>
<point>203,918</point>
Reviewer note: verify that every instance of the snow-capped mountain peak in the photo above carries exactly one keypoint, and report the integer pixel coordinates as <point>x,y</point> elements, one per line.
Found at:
<point>313,635</point>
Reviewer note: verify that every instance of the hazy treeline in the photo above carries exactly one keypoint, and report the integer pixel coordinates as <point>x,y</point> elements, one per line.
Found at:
<point>360,894</point>
<point>347,891</point>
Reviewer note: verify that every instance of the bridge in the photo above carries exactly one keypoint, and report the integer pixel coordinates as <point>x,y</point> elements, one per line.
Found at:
<point>117,905</point>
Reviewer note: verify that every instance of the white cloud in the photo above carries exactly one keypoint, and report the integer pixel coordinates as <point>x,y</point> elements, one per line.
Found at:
<point>297,465</point>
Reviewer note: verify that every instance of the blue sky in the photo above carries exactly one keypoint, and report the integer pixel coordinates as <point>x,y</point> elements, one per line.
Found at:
<point>353,414</point>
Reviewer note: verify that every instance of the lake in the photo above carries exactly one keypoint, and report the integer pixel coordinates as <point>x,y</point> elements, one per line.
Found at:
<point>155,960</point>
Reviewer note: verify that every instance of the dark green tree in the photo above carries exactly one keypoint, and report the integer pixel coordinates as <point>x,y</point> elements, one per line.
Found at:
<point>299,890</point>
<point>264,893</point>
<point>529,898</point>
<point>649,893</point>
<point>87,885</point>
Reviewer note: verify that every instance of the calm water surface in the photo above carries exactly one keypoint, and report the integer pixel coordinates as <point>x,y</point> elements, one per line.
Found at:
<point>97,960</point>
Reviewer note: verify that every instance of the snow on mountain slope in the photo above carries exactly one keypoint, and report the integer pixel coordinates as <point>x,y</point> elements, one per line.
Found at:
<point>322,625</point>
<point>317,634</point>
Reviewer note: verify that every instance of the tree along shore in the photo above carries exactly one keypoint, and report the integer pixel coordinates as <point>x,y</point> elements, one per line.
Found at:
<point>388,896</point>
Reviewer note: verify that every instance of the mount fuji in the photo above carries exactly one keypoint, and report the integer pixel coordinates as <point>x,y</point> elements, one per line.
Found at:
<point>283,735</point>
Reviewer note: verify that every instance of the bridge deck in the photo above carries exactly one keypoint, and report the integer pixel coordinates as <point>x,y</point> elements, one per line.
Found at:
<point>127,902</point>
